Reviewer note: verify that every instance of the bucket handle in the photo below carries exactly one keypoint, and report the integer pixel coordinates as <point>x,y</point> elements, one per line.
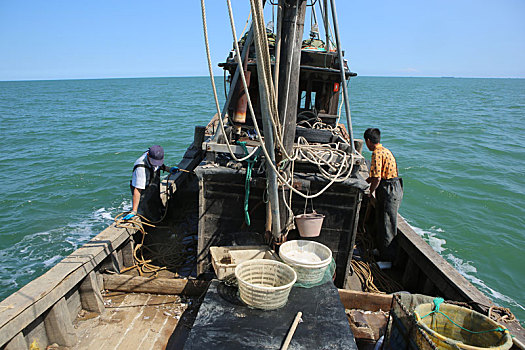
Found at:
<point>311,202</point>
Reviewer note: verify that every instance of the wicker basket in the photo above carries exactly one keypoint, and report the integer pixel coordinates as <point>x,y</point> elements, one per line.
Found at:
<point>264,284</point>
<point>296,253</point>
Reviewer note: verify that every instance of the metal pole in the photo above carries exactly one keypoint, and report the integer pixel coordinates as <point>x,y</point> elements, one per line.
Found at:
<point>278,50</point>
<point>326,25</point>
<point>343,78</point>
<point>264,100</point>
<point>270,174</point>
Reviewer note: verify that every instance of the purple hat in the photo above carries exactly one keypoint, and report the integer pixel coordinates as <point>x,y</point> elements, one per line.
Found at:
<point>156,155</point>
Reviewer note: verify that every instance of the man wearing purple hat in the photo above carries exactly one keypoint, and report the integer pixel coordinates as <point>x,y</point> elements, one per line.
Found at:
<point>146,174</point>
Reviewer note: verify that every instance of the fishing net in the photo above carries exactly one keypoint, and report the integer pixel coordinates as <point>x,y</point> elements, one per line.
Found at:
<point>403,332</point>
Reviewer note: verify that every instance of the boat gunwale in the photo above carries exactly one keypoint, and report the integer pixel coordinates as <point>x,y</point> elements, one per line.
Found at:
<point>41,294</point>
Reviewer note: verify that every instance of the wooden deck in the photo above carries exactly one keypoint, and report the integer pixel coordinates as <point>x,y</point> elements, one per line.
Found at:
<point>131,321</point>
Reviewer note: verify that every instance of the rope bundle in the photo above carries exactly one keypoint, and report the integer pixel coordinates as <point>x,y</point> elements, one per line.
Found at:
<point>171,255</point>
<point>372,278</point>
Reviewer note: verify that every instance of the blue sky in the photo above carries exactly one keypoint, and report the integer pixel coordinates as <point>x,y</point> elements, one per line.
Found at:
<point>101,39</point>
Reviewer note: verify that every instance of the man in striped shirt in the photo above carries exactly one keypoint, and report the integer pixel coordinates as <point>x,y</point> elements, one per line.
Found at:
<point>387,187</point>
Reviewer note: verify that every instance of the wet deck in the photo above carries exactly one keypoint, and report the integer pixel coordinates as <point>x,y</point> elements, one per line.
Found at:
<point>131,321</point>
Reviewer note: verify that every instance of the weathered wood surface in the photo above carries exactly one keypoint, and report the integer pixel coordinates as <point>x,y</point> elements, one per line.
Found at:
<point>138,284</point>
<point>367,325</point>
<point>291,39</point>
<point>353,299</point>
<point>32,300</point>
<point>132,321</point>
<point>59,326</point>
<point>17,343</point>
<point>90,295</point>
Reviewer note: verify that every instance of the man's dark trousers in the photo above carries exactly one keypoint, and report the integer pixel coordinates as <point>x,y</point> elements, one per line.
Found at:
<point>389,194</point>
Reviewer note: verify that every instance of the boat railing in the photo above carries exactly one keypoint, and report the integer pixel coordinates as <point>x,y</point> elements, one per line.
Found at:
<point>42,312</point>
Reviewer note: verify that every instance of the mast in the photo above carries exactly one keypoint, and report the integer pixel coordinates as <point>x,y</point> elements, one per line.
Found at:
<point>291,35</point>
<point>343,77</point>
<point>291,39</point>
<point>326,25</point>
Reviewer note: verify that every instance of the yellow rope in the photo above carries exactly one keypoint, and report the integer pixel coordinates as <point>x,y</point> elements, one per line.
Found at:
<point>171,256</point>
<point>372,278</point>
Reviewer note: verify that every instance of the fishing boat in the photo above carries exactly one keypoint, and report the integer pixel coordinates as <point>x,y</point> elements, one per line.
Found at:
<point>274,151</point>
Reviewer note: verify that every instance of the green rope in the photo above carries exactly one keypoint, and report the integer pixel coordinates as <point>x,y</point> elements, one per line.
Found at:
<point>439,301</point>
<point>251,163</point>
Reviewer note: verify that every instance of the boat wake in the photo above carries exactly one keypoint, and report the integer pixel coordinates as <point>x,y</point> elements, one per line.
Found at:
<point>34,254</point>
<point>465,268</point>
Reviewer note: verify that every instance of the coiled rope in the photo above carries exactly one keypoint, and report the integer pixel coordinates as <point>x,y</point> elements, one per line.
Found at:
<point>171,256</point>
<point>372,278</point>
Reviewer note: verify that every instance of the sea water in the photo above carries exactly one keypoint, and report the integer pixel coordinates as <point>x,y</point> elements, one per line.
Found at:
<point>68,148</point>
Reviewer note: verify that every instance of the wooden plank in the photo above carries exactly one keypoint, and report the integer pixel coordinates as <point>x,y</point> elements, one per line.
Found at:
<point>59,327</point>
<point>353,299</point>
<point>112,263</point>
<point>289,68</point>
<point>121,324</point>
<point>447,279</point>
<point>410,276</point>
<point>160,322</point>
<point>39,295</point>
<point>428,287</point>
<point>138,284</point>
<point>353,234</point>
<point>145,323</point>
<point>165,333</point>
<point>35,333</point>
<point>93,332</point>
<point>17,343</point>
<point>127,254</point>
<point>366,325</point>
<point>74,305</point>
<point>90,295</point>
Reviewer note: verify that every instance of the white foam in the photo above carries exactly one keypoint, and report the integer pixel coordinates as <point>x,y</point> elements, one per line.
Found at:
<point>438,244</point>
<point>102,213</point>
<point>51,261</point>
<point>465,268</point>
<point>41,250</point>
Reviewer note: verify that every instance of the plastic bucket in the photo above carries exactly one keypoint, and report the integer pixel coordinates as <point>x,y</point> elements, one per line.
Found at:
<point>264,284</point>
<point>309,259</point>
<point>309,225</point>
<point>481,334</point>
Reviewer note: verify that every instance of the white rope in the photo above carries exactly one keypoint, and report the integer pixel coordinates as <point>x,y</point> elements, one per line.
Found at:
<point>263,56</point>
<point>210,68</point>
<point>340,109</point>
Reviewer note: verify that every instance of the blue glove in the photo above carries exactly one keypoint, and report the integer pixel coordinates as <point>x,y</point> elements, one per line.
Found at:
<point>130,215</point>
<point>174,169</point>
